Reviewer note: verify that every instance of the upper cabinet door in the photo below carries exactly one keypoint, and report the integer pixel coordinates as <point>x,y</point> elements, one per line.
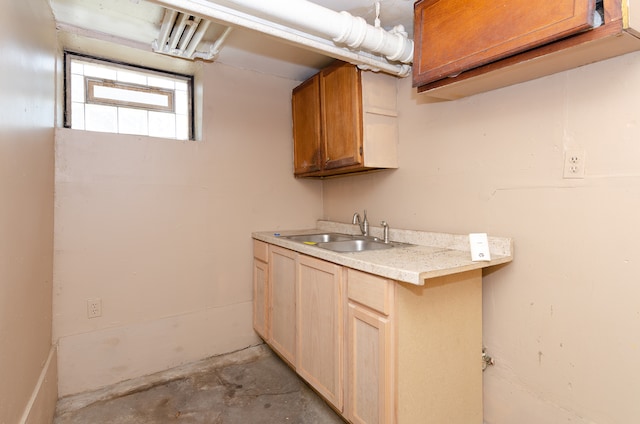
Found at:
<point>306,127</point>
<point>341,98</point>
<point>452,36</point>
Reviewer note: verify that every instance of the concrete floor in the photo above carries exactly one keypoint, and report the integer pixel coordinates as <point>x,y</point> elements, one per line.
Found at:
<point>252,386</point>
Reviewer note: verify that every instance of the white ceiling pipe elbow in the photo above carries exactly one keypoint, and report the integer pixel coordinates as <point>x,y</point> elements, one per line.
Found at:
<point>357,34</point>
<point>342,27</point>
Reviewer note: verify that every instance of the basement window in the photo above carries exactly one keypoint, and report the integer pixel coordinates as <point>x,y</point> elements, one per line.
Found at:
<point>114,97</point>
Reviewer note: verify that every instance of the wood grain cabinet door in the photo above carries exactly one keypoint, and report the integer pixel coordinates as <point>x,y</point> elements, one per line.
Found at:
<point>260,298</point>
<point>341,99</point>
<point>319,325</point>
<point>369,367</point>
<point>282,302</point>
<point>305,104</point>
<point>453,36</point>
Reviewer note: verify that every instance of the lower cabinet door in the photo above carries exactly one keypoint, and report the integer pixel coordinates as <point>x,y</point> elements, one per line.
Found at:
<point>282,302</point>
<point>369,367</point>
<point>319,327</point>
<point>260,298</point>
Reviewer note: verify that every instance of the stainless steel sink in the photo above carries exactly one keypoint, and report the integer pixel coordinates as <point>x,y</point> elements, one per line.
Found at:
<point>342,242</point>
<point>319,238</point>
<point>357,245</point>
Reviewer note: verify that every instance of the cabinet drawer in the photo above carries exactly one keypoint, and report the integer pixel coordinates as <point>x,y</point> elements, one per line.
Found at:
<point>261,250</point>
<point>369,290</point>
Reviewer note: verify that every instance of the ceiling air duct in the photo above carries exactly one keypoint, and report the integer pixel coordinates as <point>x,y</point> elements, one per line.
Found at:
<point>181,34</point>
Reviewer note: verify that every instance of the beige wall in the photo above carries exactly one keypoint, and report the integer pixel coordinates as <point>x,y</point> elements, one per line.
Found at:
<point>160,230</point>
<point>27,104</point>
<point>563,320</point>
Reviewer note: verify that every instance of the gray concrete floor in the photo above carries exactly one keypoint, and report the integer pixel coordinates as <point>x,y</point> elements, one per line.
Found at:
<point>252,386</point>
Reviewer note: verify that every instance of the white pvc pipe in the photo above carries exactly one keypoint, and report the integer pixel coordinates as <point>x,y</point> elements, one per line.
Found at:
<point>341,27</point>
<point>397,46</point>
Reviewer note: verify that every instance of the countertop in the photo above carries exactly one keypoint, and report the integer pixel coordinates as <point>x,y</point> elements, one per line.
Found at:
<point>426,255</point>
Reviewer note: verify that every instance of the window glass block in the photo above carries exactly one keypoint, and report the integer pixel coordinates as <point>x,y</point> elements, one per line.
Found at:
<point>133,121</point>
<point>77,88</point>
<point>101,118</point>
<point>77,112</point>
<point>92,70</point>
<point>161,82</point>
<point>119,98</point>
<point>181,101</point>
<point>162,124</point>
<point>132,77</point>
<point>182,127</point>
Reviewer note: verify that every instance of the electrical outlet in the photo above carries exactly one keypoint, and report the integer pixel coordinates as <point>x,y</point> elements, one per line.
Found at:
<point>94,308</point>
<point>574,163</point>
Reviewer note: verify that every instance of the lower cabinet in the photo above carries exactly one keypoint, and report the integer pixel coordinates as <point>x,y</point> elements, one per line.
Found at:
<point>369,365</point>
<point>261,288</point>
<point>379,351</point>
<point>282,302</point>
<point>319,332</point>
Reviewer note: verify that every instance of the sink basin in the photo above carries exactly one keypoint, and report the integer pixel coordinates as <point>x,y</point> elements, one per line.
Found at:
<point>342,242</point>
<point>357,245</point>
<point>319,238</point>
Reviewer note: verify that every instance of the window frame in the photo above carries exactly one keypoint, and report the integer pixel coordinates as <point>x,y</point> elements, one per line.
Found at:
<point>189,79</point>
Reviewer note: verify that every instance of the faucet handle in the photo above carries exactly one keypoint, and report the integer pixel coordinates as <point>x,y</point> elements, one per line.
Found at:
<point>385,230</point>
<point>365,224</point>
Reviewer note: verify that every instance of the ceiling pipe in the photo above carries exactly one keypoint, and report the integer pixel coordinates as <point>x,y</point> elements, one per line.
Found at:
<point>341,27</point>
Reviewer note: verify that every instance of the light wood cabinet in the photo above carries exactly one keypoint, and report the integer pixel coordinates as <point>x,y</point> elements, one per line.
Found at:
<point>282,304</point>
<point>344,121</point>
<point>319,327</point>
<point>464,48</point>
<point>369,340</point>
<point>303,320</point>
<point>260,288</point>
<point>379,351</point>
<point>414,352</point>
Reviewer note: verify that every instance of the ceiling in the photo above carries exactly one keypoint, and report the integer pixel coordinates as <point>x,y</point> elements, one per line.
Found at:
<point>136,23</point>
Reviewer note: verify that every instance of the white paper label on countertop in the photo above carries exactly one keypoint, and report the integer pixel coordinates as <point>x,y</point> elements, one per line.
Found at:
<point>479,247</point>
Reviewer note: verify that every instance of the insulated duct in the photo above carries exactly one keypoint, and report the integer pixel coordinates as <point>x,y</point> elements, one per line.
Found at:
<point>300,22</point>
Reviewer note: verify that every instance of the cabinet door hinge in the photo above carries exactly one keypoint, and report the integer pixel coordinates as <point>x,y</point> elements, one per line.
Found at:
<point>360,150</point>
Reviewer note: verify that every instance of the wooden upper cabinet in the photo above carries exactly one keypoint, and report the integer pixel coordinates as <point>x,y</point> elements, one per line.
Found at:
<point>456,35</point>
<point>306,126</point>
<point>341,98</point>
<point>344,121</point>
<point>468,47</point>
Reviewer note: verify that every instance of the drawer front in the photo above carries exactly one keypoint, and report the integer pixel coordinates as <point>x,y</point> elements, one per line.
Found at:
<point>369,290</point>
<point>261,250</point>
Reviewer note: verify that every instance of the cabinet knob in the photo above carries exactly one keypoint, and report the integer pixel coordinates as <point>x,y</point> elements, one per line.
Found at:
<point>327,160</point>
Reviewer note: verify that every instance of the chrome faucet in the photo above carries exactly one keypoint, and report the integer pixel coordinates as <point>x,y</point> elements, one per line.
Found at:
<point>364,224</point>
<point>385,231</point>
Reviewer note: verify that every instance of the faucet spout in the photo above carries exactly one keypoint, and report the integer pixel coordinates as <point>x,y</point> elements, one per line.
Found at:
<point>364,224</point>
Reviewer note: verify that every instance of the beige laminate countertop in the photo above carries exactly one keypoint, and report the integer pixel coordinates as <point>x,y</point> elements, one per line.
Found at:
<point>428,255</point>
